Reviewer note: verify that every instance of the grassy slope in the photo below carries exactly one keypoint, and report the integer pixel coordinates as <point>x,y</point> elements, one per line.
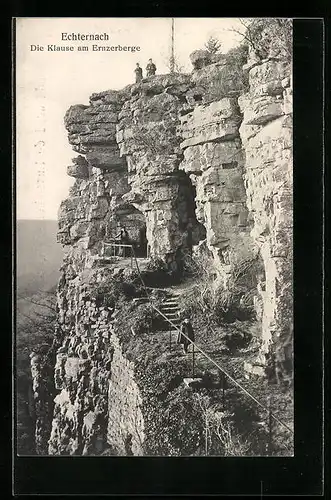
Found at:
<point>161,369</point>
<point>211,339</point>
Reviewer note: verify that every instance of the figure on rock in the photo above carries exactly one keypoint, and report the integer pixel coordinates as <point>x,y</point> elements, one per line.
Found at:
<point>139,73</point>
<point>150,68</point>
<point>186,334</point>
<point>123,238</point>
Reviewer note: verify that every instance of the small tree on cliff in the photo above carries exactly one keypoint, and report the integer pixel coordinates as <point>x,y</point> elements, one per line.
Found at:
<point>213,46</point>
<point>260,34</point>
<point>173,64</point>
<point>220,436</point>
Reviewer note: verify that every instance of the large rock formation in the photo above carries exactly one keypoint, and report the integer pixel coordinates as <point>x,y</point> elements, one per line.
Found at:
<point>266,134</point>
<point>214,159</point>
<point>146,135</point>
<point>43,389</point>
<point>82,369</point>
<point>200,160</point>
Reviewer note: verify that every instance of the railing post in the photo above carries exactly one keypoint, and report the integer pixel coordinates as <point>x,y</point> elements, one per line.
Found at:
<point>223,390</point>
<point>193,359</point>
<point>269,427</point>
<point>206,433</point>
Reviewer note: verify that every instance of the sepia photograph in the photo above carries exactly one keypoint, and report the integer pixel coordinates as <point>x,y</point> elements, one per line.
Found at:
<point>154,237</point>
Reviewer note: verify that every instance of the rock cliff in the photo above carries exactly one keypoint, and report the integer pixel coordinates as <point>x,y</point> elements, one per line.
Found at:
<point>186,163</point>
<point>266,134</point>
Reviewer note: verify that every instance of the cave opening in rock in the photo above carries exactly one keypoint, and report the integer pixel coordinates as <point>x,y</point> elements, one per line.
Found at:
<point>193,230</point>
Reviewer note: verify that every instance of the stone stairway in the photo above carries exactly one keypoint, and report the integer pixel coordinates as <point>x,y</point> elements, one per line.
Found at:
<point>170,308</point>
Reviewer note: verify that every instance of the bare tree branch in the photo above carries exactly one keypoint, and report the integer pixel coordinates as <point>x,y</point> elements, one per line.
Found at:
<point>27,299</point>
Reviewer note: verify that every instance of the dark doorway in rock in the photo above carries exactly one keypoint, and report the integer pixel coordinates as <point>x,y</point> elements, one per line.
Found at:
<point>194,231</point>
<point>141,249</point>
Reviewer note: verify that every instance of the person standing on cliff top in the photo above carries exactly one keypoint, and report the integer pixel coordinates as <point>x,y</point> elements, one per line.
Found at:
<point>139,73</point>
<point>150,68</point>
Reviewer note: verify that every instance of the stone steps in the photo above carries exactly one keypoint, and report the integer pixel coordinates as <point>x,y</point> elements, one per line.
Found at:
<point>173,317</point>
<point>170,308</point>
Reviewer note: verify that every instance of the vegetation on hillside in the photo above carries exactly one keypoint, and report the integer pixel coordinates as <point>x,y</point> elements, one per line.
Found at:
<point>183,421</point>
<point>35,329</point>
<point>210,298</point>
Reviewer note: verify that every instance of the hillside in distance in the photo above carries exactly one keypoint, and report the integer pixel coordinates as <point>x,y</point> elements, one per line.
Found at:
<point>38,255</point>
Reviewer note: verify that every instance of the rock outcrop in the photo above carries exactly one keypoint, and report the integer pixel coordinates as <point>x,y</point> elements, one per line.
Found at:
<point>266,134</point>
<point>125,431</point>
<point>214,160</point>
<point>146,135</point>
<point>82,370</point>
<point>185,162</point>
<point>43,394</point>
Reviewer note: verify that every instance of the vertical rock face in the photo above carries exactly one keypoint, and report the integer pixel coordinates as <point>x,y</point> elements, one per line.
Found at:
<point>147,137</point>
<point>130,170</point>
<point>214,160</point>
<point>125,430</point>
<point>168,152</point>
<point>81,371</point>
<point>190,159</point>
<point>43,394</point>
<point>88,215</point>
<point>266,134</point>
<point>214,157</point>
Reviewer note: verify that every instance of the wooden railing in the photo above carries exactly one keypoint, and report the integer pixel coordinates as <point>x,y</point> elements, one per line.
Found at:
<point>113,247</point>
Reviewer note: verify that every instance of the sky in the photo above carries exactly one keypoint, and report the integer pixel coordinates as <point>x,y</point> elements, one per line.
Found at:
<point>49,82</point>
